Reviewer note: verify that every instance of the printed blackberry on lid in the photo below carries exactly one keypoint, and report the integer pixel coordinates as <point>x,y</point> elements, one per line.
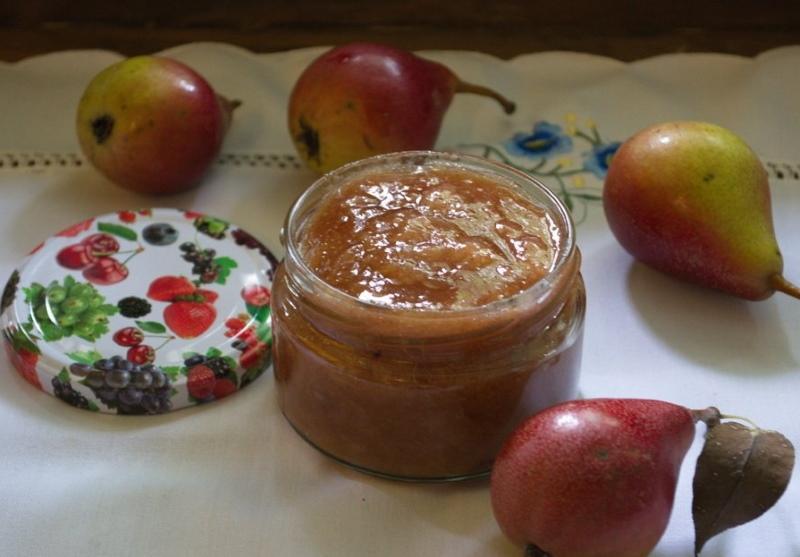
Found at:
<point>141,312</point>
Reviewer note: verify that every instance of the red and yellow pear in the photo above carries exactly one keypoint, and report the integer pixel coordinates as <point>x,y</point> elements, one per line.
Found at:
<point>152,124</point>
<point>592,478</point>
<point>691,199</point>
<point>364,99</point>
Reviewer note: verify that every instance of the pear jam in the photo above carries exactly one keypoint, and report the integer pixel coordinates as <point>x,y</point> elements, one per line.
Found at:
<point>427,304</point>
<point>431,240</point>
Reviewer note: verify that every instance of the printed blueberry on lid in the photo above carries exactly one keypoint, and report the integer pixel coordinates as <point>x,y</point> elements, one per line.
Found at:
<point>141,312</point>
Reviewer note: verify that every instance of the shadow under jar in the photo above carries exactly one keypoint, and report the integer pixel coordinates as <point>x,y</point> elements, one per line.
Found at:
<point>427,304</point>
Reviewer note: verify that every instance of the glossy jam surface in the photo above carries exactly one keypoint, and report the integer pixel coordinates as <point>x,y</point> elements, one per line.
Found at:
<point>433,239</point>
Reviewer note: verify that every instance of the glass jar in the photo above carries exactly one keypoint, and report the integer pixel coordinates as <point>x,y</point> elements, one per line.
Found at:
<point>423,394</point>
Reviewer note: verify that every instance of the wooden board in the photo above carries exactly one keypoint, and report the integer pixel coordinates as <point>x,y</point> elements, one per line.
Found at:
<point>625,30</point>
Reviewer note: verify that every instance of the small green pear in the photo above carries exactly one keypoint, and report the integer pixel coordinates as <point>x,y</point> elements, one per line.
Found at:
<point>691,199</point>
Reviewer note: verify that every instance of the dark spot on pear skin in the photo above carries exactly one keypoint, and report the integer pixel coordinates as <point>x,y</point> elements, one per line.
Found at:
<point>367,142</point>
<point>602,454</point>
<point>102,126</point>
<point>350,105</point>
<point>708,177</point>
<point>309,138</point>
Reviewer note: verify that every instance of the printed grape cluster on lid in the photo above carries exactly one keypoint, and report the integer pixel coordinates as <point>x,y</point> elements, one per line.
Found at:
<point>141,312</point>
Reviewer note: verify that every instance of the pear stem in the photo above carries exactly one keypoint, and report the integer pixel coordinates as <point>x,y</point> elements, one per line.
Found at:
<point>463,87</point>
<point>782,285</point>
<point>533,551</point>
<point>712,417</point>
<point>229,104</point>
<point>709,416</point>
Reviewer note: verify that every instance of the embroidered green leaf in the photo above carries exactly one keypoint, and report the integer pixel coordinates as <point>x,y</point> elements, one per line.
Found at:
<point>87,358</point>
<point>118,230</point>
<point>588,196</point>
<point>213,352</point>
<point>153,327</point>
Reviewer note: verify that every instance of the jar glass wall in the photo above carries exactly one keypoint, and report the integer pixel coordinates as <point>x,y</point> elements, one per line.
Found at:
<point>423,394</point>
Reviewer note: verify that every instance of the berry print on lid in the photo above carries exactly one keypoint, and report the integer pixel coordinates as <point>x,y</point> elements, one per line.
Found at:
<point>141,312</point>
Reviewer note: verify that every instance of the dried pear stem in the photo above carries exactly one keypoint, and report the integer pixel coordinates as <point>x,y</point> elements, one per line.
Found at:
<point>463,87</point>
<point>229,104</point>
<point>782,285</point>
<point>709,416</point>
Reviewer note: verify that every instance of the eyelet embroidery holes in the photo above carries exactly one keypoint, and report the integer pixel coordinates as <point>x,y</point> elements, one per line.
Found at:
<point>268,160</point>
<point>26,161</point>
<point>777,170</point>
<point>783,170</point>
<point>35,160</point>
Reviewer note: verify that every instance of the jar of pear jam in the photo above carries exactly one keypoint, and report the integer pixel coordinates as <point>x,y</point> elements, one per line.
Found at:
<point>427,304</point>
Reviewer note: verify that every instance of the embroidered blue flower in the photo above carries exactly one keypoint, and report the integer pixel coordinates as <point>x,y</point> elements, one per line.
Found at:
<point>597,160</point>
<point>546,139</point>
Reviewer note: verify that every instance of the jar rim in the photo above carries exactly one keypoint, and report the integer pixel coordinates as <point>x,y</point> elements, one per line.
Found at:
<point>526,184</point>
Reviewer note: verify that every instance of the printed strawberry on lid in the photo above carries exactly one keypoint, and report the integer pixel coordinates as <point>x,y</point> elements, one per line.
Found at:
<point>141,312</point>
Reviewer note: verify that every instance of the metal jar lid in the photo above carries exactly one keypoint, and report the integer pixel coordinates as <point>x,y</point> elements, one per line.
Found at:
<point>141,312</point>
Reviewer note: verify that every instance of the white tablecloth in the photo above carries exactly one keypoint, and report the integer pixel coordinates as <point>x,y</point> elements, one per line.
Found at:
<point>232,478</point>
